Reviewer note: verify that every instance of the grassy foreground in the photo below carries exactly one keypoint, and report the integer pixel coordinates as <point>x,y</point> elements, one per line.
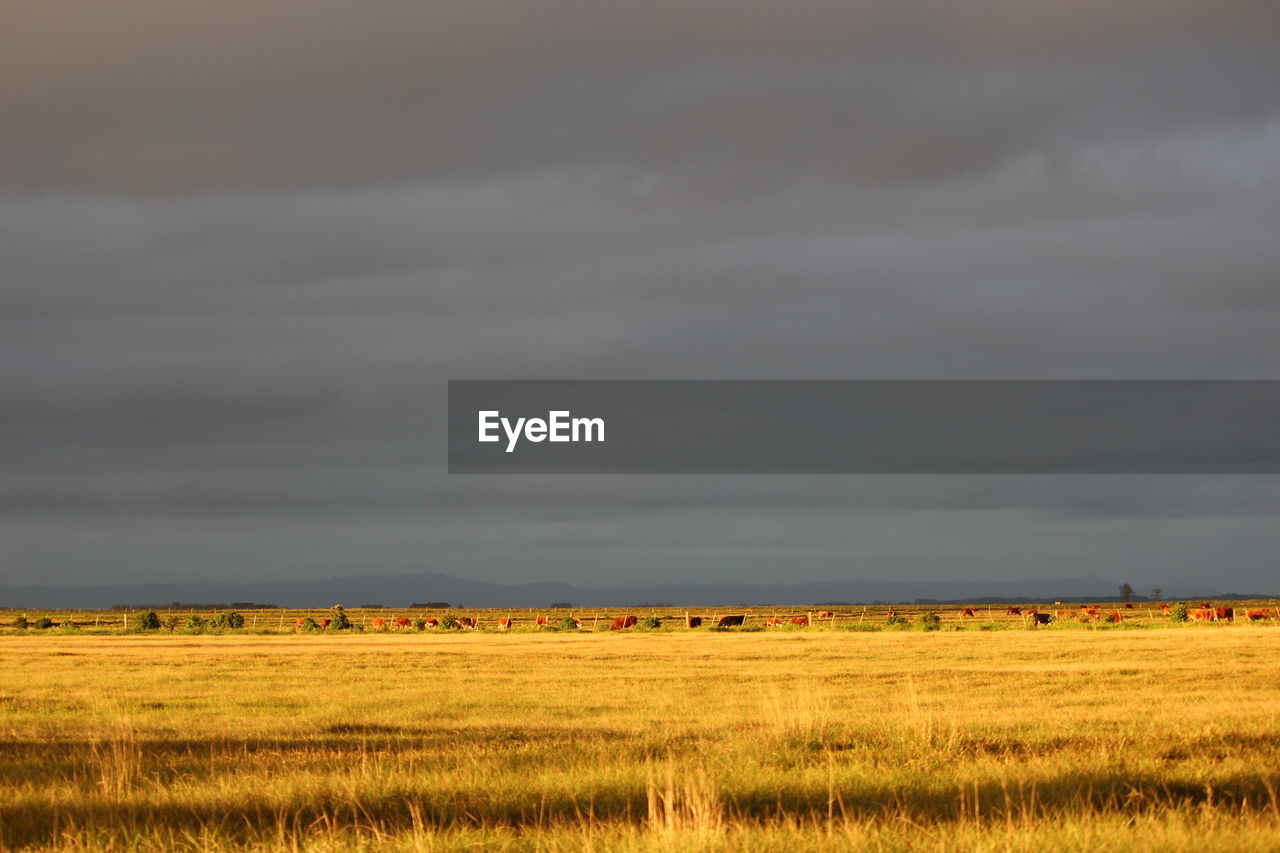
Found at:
<point>1159,739</point>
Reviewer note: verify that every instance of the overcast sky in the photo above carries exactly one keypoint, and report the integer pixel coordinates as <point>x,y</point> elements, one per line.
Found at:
<point>244,245</point>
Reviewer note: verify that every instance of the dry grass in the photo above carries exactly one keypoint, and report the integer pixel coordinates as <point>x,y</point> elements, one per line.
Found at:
<point>1012,740</point>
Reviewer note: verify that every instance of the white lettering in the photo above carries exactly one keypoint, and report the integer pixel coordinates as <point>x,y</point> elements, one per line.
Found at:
<point>488,422</point>
<point>513,433</point>
<point>587,425</point>
<point>559,427</point>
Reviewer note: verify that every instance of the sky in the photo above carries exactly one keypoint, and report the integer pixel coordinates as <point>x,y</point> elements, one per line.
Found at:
<point>243,247</point>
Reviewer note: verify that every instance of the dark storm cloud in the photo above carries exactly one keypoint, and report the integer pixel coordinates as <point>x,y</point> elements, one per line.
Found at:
<point>242,247</point>
<point>148,96</point>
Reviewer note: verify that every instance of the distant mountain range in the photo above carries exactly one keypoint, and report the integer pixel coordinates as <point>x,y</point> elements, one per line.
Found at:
<point>403,590</point>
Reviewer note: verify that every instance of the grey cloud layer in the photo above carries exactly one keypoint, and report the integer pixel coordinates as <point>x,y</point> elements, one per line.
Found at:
<point>243,246</point>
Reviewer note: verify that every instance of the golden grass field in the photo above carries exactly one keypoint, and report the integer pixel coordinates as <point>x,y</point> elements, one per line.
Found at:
<point>1160,739</point>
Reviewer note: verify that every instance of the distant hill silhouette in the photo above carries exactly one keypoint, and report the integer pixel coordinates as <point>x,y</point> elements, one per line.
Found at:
<point>403,590</point>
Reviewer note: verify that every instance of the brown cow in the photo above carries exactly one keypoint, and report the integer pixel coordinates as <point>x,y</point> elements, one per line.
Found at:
<point>773,622</point>
<point>1166,610</point>
<point>825,614</point>
<point>432,622</point>
<point>379,623</point>
<point>1114,616</point>
<point>1227,614</point>
<point>1128,606</point>
<point>403,622</point>
<point>504,623</point>
<point>1257,614</point>
<point>730,621</point>
<point>621,622</point>
<point>889,614</point>
<point>1202,614</point>
<point>1014,611</point>
<point>800,620</point>
<point>468,622</point>
<point>1064,614</point>
<point>693,622</point>
<point>541,621</point>
<point>324,624</point>
<point>968,611</point>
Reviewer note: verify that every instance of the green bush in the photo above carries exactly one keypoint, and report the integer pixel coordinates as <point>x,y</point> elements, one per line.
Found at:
<point>419,624</point>
<point>896,619</point>
<point>309,625</point>
<point>338,620</point>
<point>568,624</point>
<point>170,623</point>
<point>450,622</point>
<point>196,623</point>
<point>21,623</point>
<point>1180,612</point>
<point>44,622</point>
<point>147,620</point>
<point>931,622</point>
<point>229,619</point>
<point>651,622</point>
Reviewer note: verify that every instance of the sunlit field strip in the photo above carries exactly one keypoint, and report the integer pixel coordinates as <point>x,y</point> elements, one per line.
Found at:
<point>1112,739</point>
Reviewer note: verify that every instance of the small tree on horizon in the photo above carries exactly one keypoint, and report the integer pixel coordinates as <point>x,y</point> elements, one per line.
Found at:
<point>1156,593</point>
<point>1126,592</point>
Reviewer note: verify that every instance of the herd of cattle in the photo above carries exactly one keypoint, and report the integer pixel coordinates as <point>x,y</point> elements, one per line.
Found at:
<point>1031,616</point>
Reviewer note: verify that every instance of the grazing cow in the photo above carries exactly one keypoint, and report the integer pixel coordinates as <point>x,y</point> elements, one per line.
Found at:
<point>1202,614</point>
<point>468,622</point>
<point>800,620</point>
<point>1114,616</point>
<point>577,623</point>
<point>302,620</point>
<point>693,622</point>
<point>541,621</point>
<point>1128,606</point>
<point>432,622</point>
<point>628,621</point>
<point>968,611</point>
<point>1014,611</point>
<point>403,622</point>
<point>730,621</point>
<point>379,623</point>
<point>1166,610</point>
<point>1089,614</point>
<point>889,614</point>
<point>504,623</point>
<point>1038,618</point>
<point>1227,614</point>
<point>1257,614</point>
<point>324,624</point>
<point>773,622</point>
<point>825,614</point>
<point>1063,614</point>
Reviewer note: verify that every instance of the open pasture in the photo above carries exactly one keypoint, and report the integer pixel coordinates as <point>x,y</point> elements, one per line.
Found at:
<point>1158,739</point>
<point>818,617</point>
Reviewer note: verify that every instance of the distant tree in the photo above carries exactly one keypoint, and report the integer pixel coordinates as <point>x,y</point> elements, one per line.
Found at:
<point>561,605</point>
<point>1126,592</point>
<point>1156,593</point>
